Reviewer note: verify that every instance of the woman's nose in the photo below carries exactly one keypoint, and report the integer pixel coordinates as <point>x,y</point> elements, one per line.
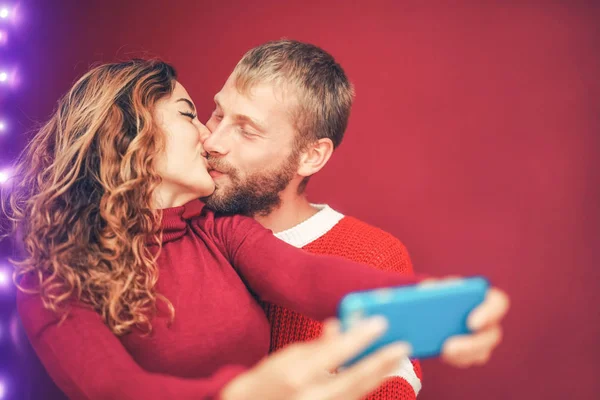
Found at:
<point>204,133</point>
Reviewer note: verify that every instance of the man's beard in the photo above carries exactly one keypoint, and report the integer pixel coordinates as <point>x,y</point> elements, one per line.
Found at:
<point>254,194</point>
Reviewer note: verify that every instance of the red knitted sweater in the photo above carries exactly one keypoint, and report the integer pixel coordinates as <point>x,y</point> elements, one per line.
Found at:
<point>213,269</point>
<point>330,233</point>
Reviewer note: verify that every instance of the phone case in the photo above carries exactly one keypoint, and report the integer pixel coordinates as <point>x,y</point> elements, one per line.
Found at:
<point>424,315</point>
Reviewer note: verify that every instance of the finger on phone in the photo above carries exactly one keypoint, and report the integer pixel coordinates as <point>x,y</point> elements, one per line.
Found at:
<point>331,328</point>
<point>469,349</point>
<point>342,347</point>
<point>491,311</point>
<point>364,376</point>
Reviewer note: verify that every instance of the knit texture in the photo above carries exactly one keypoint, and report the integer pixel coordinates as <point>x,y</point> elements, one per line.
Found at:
<point>357,241</point>
<point>211,269</point>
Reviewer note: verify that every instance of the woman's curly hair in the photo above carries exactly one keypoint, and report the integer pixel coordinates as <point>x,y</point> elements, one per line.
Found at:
<point>81,201</point>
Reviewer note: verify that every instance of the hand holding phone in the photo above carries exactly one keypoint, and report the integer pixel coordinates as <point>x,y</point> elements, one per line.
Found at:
<point>423,315</point>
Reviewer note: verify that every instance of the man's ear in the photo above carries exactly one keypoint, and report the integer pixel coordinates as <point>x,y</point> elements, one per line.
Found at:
<point>314,157</point>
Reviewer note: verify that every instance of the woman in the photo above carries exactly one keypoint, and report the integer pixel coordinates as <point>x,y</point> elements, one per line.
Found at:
<point>130,288</point>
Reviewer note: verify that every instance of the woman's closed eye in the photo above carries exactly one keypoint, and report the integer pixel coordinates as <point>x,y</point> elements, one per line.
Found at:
<point>188,114</point>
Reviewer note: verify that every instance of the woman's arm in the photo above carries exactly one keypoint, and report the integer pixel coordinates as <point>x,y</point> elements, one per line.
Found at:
<point>282,274</point>
<point>87,361</point>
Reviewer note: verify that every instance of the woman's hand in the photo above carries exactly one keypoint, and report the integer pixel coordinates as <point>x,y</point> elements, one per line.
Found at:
<point>298,371</point>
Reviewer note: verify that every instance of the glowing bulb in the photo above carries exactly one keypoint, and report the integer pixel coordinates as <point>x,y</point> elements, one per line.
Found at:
<point>3,76</point>
<point>4,277</point>
<point>4,13</point>
<point>4,176</point>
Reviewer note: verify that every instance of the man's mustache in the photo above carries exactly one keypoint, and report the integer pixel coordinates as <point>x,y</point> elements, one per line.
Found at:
<point>220,165</point>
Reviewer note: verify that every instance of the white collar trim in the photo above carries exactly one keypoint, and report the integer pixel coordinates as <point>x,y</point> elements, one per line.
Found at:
<point>313,228</point>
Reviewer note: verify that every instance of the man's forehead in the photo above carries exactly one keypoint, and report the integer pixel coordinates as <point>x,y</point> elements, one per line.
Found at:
<point>261,95</point>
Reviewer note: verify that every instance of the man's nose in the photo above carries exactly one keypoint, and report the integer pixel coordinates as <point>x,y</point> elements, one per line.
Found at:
<point>215,143</point>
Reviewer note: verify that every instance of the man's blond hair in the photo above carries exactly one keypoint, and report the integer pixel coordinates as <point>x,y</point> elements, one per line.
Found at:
<point>323,92</point>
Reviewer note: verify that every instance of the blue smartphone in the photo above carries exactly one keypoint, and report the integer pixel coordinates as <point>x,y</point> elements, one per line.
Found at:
<point>424,315</point>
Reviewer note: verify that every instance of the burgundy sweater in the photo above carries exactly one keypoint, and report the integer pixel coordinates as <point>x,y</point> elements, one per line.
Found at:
<point>213,269</point>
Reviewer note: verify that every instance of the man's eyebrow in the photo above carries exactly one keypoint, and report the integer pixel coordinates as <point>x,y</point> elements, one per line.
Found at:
<point>244,118</point>
<point>257,124</point>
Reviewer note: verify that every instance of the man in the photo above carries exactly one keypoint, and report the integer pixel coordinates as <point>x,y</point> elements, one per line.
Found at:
<point>277,121</point>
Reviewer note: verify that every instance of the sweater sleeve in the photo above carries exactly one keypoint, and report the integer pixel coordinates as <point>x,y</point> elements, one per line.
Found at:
<point>282,274</point>
<point>87,361</point>
<point>397,258</point>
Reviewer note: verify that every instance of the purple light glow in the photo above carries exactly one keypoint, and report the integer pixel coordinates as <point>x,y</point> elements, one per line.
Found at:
<point>11,14</point>
<point>9,77</point>
<point>4,176</point>
<point>4,277</point>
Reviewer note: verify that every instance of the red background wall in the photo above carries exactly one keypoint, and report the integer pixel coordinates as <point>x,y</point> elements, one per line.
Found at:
<point>474,139</point>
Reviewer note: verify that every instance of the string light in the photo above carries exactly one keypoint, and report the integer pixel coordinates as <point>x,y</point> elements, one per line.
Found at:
<point>10,18</point>
<point>4,176</point>
<point>4,277</point>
